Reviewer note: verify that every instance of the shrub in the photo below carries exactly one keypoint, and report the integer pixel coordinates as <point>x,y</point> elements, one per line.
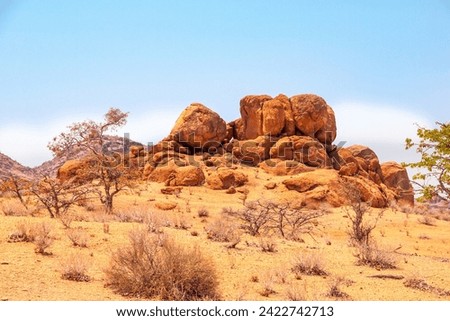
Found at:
<point>309,264</point>
<point>295,293</point>
<point>132,214</point>
<point>14,208</point>
<point>43,238</point>
<point>203,212</point>
<point>152,266</point>
<point>25,232</point>
<point>75,268</point>
<point>66,219</point>
<point>224,230</point>
<point>267,244</point>
<point>78,236</point>
<point>427,220</point>
<point>289,220</point>
<point>334,289</point>
<point>374,257</point>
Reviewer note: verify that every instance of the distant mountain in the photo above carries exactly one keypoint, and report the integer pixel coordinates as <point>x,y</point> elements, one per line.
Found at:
<point>113,144</point>
<point>8,167</point>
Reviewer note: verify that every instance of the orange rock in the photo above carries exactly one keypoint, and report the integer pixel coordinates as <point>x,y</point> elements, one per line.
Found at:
<point>396,178</point>
<point>199,127</point>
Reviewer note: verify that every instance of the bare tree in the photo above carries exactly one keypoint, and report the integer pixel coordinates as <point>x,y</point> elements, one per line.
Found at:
<point>57,197</point>
<point>287,219</point>
<point>17,186</point>
<point>106,167</point>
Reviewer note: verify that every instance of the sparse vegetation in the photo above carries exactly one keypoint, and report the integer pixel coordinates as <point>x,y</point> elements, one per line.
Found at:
<point>289,220</point>
<point>203,212</point>
<point>43,238</point>
<point>78,237</point>
<point>153,266</point>
<point>75,268</point>
<point>377,258</point>
<point>308,264</point>
<point>335,290</point>
<point>223,230</point>
<point>267,244</point>
<point>427,220</point>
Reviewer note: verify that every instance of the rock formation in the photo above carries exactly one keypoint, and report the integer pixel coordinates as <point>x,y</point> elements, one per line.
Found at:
<point>280,136</point>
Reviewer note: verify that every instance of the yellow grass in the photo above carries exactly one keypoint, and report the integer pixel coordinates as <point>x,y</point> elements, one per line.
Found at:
<point>245,272</point>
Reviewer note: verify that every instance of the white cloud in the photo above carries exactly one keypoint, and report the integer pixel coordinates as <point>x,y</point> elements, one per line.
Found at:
<point>383,128</point>
<point>27,143</point>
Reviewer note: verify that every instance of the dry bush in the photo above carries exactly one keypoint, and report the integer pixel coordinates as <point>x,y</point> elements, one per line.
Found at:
<point>14,207</point>
<point>422,285</point>
<point>155,221</point>
<point>132,214</point>
<point>374,257</point>
<point>75,268</point>
<point>66,219</point>
<point>288,219</point>
<point>361,228</point>
<point>308,264</point>
<point>43,238</point>
<point>203,212</point>
<point>180,222</point>
<point>334,288</point>
<point>25,232</point>
<point>427,220</point>
<point>152,266</point>
<point>223,230</point>
<point>78,237</point>
<point>296,293</point>
<point>268,287</point>
<point>267,244</point>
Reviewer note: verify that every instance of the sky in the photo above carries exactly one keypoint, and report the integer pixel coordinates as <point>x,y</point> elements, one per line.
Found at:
<point>381,65</point>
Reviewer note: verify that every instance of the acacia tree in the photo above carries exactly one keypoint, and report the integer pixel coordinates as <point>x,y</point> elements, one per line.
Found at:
<point>105,168</point>
<point>57,197</point>
<point>434,149</point>
<point>17,186</point>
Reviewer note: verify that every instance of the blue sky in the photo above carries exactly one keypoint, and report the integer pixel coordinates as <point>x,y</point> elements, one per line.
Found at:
<point>382,65</point>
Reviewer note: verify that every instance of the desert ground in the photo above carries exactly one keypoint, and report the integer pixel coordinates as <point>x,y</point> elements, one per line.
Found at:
<point>414,240</point>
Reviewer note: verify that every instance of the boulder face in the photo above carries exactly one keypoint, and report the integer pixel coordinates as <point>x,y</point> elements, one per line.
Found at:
<point>75,170</point>
<point>313,117</point>
<point>226,178</point>
<point>302,149</point>
<point>198,127</point>
<point>251,108</point>
<point>396,178</point>
<point>326,185</point>
<point>369,165</point>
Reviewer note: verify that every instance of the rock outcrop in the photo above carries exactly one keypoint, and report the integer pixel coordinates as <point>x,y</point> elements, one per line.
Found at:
<point>198,127</point>
<point>396,178</point>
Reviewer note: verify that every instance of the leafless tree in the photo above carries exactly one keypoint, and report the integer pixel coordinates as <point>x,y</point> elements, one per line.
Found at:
<point>106,167</point>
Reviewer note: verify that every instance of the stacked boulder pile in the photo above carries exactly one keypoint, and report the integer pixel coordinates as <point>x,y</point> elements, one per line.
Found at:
<point>283,136</point>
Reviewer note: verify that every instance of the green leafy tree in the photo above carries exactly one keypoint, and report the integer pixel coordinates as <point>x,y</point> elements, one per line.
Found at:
<point>434,149</point>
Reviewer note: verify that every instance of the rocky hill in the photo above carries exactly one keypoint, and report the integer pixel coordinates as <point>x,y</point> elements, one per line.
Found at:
<point>283,136</point>
<point>8,167</point>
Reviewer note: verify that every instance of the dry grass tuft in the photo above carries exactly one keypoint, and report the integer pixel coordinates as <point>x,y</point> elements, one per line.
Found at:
<point>75,268</point>
<point>374,257</point>
<point>427,220</point>
<point>308,264</point>
<point>152,266</point>
<point>43,238</point>
<point>224,230</point>
<point>267,244</point>
<point>78,237</point>
<point>14,208</point>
